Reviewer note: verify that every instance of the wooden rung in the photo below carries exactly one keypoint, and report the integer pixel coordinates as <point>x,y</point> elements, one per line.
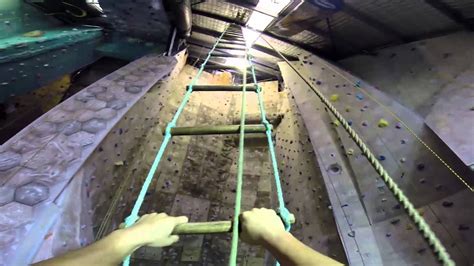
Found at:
<point>220,67</point>
<point>216,130</point>
<point>251,88</point>
<point>203,228</point>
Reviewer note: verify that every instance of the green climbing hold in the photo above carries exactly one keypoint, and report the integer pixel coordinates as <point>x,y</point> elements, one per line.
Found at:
<point>383,123</point>
<point>334,98</point>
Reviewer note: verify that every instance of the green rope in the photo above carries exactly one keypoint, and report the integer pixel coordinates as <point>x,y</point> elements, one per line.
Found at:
<point>240,173</point>
<point>284,213</point>
<point>133,217</point>
<point>423,227</point>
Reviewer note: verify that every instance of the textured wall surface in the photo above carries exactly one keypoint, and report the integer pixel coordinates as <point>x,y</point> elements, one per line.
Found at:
<point>40,167</point>
<point>197,174</point>
<point>196,177</point>
<point>432,77</point>
<point>429,185</point>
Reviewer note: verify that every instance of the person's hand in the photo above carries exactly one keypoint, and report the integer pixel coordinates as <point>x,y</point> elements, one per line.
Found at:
<point>260,226</point>
<point>155,229</point>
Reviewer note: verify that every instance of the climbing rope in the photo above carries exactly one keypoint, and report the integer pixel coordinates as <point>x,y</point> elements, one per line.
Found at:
<point>240,173</point>
<point>133,217</point>
<point>284,213</point>
<point>399,120</point>
<point>423,227</point>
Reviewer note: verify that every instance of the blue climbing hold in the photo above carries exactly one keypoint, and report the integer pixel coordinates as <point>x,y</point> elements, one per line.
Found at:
<point>349,122</point>
<point>360,96</point>
<point>382,158</point>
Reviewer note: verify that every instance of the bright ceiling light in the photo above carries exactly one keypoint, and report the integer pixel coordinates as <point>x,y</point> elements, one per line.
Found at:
<point>259,21</point>
<point>265,12</point>
<point>250,36</point>
<point>271,7</point>
<point>240,63</point>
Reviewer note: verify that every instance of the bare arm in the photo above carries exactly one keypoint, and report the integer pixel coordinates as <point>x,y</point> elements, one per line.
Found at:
<point>264,227</point>
<point>152,230</point>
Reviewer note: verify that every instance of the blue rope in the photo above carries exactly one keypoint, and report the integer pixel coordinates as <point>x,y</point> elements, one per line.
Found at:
<point>284,212</point>
<point>133,217</point>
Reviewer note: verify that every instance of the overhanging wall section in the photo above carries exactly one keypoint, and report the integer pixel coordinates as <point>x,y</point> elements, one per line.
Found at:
<point>426,182</point>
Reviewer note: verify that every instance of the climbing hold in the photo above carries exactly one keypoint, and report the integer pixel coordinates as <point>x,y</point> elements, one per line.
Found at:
<point>395,221</point>
<point>349,122</point>
<point>383,123</point>
<point>351,233</point>
<point>348,109</point>
<point>447,204</point>
<point>463,227</point>
<point>403,141</point>
<point>118,163</point>
<point>336,123</point>
<point>422,181</point>
<point>334,98</point>
<point>350,151</point>
<point>403,159</point>
<point>397,126</point>
<point>364,123</point>
<point>381,158</point>
<point>420,167</point>
<point>35,33</point>
<point>359,96</point>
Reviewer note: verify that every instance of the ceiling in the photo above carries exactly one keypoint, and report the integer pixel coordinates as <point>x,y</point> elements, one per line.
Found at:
<point>333,29</point>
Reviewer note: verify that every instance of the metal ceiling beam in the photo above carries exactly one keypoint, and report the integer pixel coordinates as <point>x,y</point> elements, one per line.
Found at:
<point>258,67</point>
<point>255,46</point>
<point>267,33</point>
<point>451,13</point>
<point>374,23</point>
<point>209,47</point>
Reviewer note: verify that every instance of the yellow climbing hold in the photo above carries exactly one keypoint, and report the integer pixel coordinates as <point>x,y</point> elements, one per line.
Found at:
<point>334,98</point>
<point>350,151</point>
<point>336,123</point>
<point>119,163</point>
<point>383,123</point>
<point>35,33</point>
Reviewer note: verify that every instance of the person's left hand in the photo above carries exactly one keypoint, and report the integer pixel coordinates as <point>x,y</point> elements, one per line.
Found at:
<point>155,229</point>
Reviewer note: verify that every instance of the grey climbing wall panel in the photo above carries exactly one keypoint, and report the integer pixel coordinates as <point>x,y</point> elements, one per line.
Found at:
<point>434,78</point>
<point>42,164</point>
<point>425,181</point>
<point>303,184</point>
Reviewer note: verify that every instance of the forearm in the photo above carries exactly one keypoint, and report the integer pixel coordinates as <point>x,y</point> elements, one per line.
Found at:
<point>290,251</point>
<point>110,250</point>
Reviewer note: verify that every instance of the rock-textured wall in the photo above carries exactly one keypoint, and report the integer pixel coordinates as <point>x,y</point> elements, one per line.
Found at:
<point>97,147</point>
<point>43,181</point>
<point>197,175</point>
<point>428,184</point>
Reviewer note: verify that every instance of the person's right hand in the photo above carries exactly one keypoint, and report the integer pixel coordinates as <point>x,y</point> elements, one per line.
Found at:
<point>155,229</point>
<point>260,226</point>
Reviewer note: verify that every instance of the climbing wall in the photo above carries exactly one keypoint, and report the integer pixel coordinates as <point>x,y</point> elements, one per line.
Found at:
<point>434,78</point>
<point>50,166</point>
<point>432,188</point>
<point>303,184</point>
